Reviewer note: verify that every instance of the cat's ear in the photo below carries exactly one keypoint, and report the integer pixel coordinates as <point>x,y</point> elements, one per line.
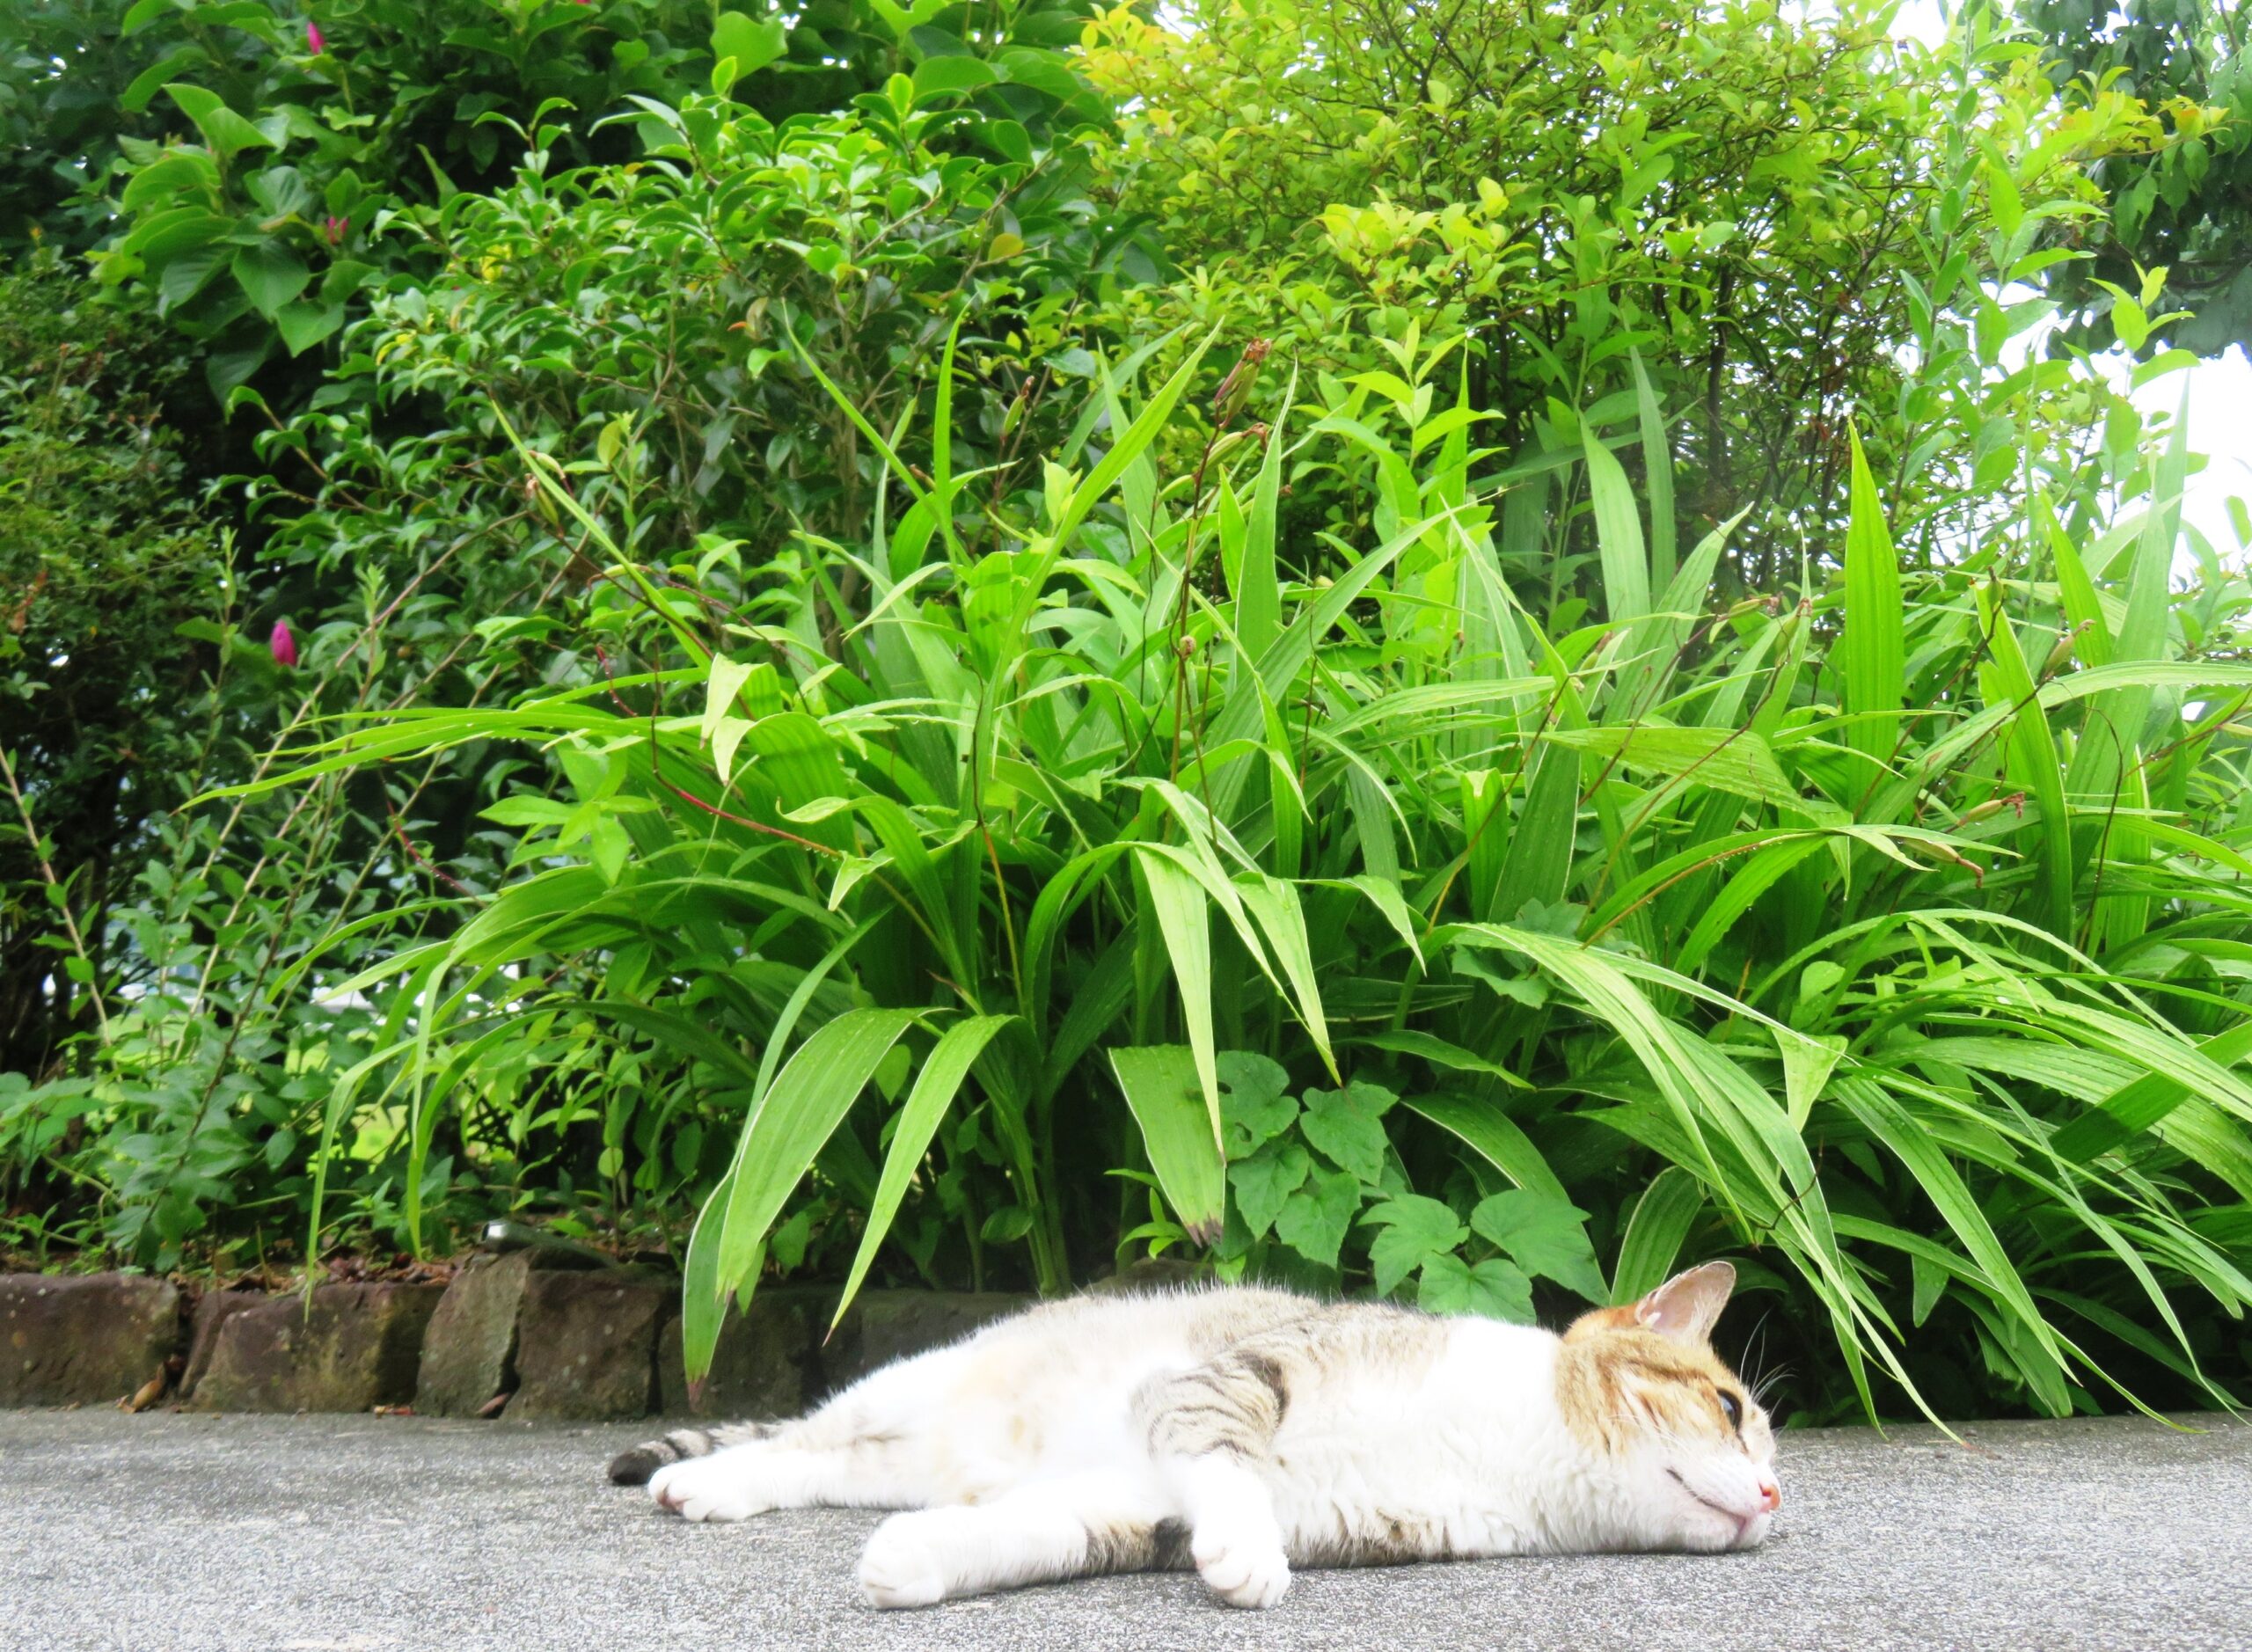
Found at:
<point>1688,1307</point>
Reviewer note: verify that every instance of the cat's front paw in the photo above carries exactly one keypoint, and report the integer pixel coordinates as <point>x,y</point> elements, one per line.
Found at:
<point>901,1566</point>
<point>1244,1566</point>
<point>706,1489</point>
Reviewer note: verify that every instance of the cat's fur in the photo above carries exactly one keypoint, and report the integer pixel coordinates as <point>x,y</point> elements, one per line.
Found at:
<point>1246,1431</point>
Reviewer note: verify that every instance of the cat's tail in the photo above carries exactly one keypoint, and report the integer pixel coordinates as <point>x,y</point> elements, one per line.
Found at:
<point>634,1467</point>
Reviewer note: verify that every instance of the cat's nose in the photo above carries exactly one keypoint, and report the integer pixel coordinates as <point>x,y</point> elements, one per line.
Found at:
<point>1771,1496</point>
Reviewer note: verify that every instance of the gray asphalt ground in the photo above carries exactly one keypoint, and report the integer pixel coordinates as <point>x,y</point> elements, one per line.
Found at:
<point>362,1534</point>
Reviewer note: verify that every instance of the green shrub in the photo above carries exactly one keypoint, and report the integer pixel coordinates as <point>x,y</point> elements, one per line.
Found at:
<point>1579,952</point>
<point>102,550</point>
<point>1748,212</point>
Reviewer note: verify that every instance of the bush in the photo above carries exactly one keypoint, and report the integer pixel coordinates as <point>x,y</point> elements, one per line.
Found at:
<point>1115,808</point>
<point>102,550</point>
<point>823,704</point>
<point>1745,213</point>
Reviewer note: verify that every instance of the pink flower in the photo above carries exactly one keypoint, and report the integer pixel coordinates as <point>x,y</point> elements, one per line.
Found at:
<point>283,645</point>
<point>313,41</point>
<point>333,229</point>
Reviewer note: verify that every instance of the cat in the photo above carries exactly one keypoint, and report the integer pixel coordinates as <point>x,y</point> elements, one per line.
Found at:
<point>1245,1431</point>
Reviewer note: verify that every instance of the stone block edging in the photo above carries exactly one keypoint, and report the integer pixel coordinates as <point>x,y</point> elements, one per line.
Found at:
<point>531,1333</point>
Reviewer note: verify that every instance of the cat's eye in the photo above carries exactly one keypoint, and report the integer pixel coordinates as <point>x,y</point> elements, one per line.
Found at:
<point>1732,1408</point>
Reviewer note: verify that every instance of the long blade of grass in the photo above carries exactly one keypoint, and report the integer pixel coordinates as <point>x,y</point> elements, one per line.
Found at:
<point>1177,902</point>
<point>1657,472</point>
<point>1871,654</point>
<point>1618,534</point>
<point>1161,1084</point>
<point>1660,1224</point>
<point>807,1099</point>
<point>947,1064</point>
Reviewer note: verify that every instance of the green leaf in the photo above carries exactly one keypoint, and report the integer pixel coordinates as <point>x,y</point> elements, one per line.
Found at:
<point>807,1100</point>
<point>1493,1290</point>
<point>1255,1105</point>
<point>179,172</point>
<point>1540,845</point>
<point>1161,1085</point>
<point>752,44</point>
<point>227,133</point>
<point>1264,1183</point>
<point>1542,1237</point>
<point>1808,1061</point>
<point>935,1089</point>
<point>2141,1105</point>
<point>1871,653</point>
<point>1316,1218</point>
<point>1494,1137</point>
<point>1258,593</point>
<point>1347,1126</point>
<point>1414,1229</point>
<point>1663,1217</point>
<point>270,276</point>
<point>703,1295</point>
<point>946,77</point>
<point>1439,1053</point>
<point>2005,679</point>
<point>1274,903</point>
<point>1618,534</point>
<point>303,325</point>
<point>1657,468</point>
<point>1178,900</point>
<point>1732,760</point>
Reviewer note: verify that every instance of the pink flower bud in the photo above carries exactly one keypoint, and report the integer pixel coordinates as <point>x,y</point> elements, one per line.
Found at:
<point>332,230</point>
<point>283,645</point>
<point>314,43</point>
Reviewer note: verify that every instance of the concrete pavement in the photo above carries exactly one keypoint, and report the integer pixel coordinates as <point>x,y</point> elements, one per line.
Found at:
<point>365,1534</point>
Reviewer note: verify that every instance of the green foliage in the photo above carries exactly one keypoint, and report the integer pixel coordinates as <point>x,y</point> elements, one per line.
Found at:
<point>1048,786</point>
<point>1568,695</point>
<point>1738,212</point>
<point>266,188</point>
<point>2178,199</point>
<point>101,551</point>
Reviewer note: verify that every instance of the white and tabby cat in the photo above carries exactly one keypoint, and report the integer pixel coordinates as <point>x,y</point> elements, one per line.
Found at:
<point>1246,1431</point>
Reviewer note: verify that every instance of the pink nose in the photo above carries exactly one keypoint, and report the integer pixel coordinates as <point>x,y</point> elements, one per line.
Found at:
<point>1771,1496</point>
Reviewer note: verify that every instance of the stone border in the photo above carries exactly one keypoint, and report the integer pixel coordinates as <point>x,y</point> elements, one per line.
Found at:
<point>536,1334</point>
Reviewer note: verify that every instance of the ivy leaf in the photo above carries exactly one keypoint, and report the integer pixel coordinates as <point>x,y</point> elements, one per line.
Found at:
<point>1255,1105</point>
<point>1414,1229</point>
<point>1495,1289</point>
<point>1264,1183</point>
<point>1314,1220</point>
<point>1345,1125</point>
<point>1542,1235</point>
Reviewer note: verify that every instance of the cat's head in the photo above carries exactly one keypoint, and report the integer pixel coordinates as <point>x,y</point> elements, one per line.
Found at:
<point>1692,1451</point>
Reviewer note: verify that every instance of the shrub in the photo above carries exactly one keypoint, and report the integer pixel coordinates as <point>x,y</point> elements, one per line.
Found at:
<point>1435,934</point>
<point>1745,212</point>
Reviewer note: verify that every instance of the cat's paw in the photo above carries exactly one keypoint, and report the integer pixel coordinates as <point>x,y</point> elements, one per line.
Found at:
<point>706,1489</point>
<point>901,1566</point>
<point>1244,1565</point>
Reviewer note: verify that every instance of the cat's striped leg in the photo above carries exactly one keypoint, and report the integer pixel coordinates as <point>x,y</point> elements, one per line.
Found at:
<point>1072,1526</point>
<point>1210,1431</point>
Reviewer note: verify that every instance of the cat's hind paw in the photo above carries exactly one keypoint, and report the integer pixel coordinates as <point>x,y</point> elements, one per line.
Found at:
<point>901,1566</point>
<point>706,1489</point>
<point>1244,1568</point>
